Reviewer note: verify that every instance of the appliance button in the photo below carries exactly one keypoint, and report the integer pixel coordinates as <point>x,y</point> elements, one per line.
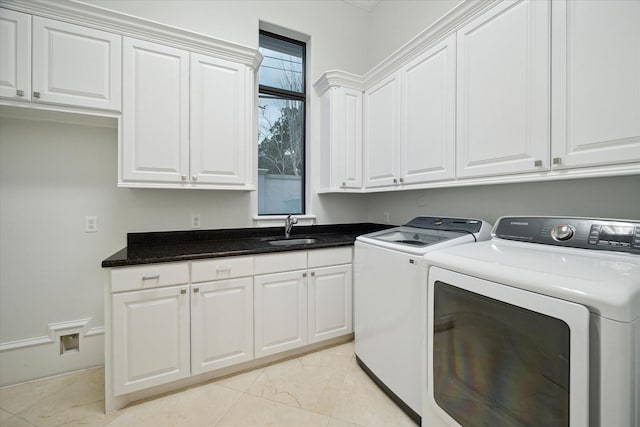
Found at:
<point>563,232</point>
<point>593,241</point>
<point>603,243</point>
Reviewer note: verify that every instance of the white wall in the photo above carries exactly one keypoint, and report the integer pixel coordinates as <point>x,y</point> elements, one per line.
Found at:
<point>614,197</point>
<point>394,22</point>
<point>338,31</point>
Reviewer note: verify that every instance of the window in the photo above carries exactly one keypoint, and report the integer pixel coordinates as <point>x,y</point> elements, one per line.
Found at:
<point>281,126</point>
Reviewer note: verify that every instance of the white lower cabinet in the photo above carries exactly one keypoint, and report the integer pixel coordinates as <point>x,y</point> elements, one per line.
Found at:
<point>221,324</point>
<point>329,302</point>
<point>150,338</point>
<point>170,321</point>
<point>307,305</point>
<point>281,312</point>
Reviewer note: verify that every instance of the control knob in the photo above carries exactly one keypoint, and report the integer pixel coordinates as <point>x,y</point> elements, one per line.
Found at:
<point>563,232</point>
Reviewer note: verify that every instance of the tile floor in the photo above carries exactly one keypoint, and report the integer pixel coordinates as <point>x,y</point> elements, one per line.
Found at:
<point>326,388</point>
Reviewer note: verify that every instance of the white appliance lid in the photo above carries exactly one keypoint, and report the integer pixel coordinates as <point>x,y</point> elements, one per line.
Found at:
<point>607,283</point>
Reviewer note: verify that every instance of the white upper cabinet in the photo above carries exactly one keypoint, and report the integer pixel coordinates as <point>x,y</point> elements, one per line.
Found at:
<point>503,90</point>
<point>351,153</point>
<point>596,78</point>
<point>155,113</point>
<point>428,115</point>
<point>52,62</point>
<point>220,116</point>
<point>15,51</point>
<point>74,65</point>
<point>382,133</point>
<point>410,121</point>
<point>186,120</point>
<point>341,127</point>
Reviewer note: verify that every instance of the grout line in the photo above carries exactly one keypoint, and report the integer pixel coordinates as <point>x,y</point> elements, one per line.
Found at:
<point>235,402</point>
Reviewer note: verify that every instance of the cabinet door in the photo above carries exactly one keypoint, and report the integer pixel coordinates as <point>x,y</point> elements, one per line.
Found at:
<point>155,113</point>
<point>330,302</point>
<point>74,65</point>
<point>382,133</point>
<point>280,312</point>
<point>151,335</point>
<point>428,115</point>
<point>503,90</point>
<point>341,127</point>
<point>15,51</point>
<point>596,77</point>
<point>221,324</point>
<point>349,144</point>
<point>221,111</point>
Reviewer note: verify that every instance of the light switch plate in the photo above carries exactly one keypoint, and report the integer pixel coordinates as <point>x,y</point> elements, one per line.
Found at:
<point>195,220</point>
<point>90,224</point>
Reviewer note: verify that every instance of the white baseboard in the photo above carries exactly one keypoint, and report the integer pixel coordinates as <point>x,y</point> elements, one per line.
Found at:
<point>40,357</point>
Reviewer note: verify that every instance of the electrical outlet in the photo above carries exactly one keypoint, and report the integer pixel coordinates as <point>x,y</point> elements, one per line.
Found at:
<point>90,224</point>
<point>195,220</point>
<point>386,217</point>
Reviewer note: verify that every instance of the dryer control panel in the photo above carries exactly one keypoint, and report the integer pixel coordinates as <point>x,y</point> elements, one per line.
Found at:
<point>585,233</point>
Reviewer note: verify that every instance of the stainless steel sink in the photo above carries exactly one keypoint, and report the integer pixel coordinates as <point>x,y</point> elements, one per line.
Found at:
<point>289,242</point>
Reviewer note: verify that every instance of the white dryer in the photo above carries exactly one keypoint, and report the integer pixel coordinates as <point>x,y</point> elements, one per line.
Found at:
<point>387,300</point>
<point>540,326</point>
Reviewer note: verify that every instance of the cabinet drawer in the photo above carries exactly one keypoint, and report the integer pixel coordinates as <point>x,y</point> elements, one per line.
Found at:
<point>221,268</point>
<point>149,276</point>
<point>332,256</point>
<point>284,261</point>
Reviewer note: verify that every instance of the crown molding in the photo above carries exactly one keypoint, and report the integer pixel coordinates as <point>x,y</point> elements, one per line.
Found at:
<point>73,12</point>
<point>337,78</point>
<point>453,20</point>
<point>367,5</point>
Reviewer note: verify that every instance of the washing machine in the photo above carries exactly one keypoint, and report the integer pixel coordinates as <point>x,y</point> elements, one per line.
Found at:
<point>539,326</point>
<point>387,301</point>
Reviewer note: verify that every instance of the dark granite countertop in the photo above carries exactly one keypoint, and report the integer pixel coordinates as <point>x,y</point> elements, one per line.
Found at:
<point>170,246</point>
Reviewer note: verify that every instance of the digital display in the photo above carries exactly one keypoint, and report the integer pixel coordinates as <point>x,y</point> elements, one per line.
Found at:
<point>616,233</point>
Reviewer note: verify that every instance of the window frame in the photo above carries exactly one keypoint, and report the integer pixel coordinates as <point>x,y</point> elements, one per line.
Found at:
<point>293,96</point>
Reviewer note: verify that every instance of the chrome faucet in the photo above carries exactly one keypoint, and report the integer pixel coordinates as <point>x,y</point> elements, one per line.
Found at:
<point>288,225</point>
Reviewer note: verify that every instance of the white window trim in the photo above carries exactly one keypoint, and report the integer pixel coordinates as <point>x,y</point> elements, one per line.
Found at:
<point>308,218</point>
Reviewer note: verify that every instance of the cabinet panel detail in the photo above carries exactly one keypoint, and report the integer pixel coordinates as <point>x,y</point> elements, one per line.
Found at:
<point>151,333</point>
<point>15,50</point>
<point>503,90</point>
<point>281,312</point>
<point>427,150</point>
<point>596,75</point>
<point>219,121</point>
<point>221,324</point>
<point>155,116</point>
<point>75,65</point>
<point>381,133</point>
<point>330,302</point>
